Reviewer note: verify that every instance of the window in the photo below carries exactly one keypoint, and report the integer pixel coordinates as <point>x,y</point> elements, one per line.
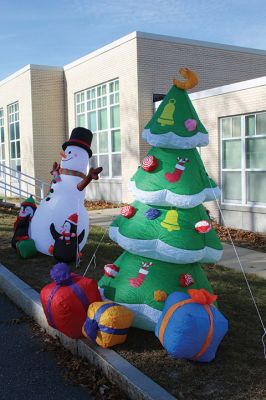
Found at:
<point>2,142</point>
<point>243,149</point>
<point>14,136</point>
<point>98,109</point>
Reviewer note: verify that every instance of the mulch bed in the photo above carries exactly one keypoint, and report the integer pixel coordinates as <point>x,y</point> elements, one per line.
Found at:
<point>241,237</point>
<point>101,204</point>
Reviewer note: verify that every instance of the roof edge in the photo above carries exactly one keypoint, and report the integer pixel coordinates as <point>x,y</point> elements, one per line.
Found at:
<point>154,36</point>
<point>191,42</point>
<point>101,50</point>
<point>29,67</point>
<point>232,87</point>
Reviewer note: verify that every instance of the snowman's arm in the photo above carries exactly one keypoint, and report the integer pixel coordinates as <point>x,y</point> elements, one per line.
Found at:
<point>93,174</point>
<point>54,232</point>
<point>81,236</point>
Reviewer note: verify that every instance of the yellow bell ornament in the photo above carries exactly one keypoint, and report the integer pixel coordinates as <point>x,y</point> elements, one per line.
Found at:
<point>171,221</point>
<point>167,116</point>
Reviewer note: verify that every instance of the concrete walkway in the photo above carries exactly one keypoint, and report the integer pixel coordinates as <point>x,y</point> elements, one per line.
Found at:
<point>253,261</point>
<point>103,217</point>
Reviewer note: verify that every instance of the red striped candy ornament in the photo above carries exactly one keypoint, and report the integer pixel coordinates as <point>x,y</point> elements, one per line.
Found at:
<point>111,270</point>
<point>186,280</point>
<point>128,211</point>
<point>203,226</point>
<point>149,163</point>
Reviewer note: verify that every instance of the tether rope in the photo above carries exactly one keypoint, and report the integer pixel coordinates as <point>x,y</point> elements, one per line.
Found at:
<point>93,257</point>
<point>242,270</point>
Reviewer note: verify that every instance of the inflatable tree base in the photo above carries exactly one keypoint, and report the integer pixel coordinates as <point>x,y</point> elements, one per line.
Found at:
<point>126,282</point>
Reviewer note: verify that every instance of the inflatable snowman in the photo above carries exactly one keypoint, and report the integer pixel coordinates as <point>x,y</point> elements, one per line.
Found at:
<point>66,195</point>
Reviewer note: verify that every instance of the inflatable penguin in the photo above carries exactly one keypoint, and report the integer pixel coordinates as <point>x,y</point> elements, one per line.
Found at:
<point>66,195</point>
<point>66,245</point>
<point>22,223</point>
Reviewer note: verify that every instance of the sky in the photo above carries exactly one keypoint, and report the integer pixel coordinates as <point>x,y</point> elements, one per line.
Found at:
<point>57,32</point>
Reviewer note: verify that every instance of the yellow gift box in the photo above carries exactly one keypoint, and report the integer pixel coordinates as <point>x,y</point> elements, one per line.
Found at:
<point>107,323</point>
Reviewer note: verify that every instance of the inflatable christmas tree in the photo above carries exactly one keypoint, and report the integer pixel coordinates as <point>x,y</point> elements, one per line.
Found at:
<point>166,232</point>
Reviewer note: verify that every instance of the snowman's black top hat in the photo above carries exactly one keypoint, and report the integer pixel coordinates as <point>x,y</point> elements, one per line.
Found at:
<point>80,137</point>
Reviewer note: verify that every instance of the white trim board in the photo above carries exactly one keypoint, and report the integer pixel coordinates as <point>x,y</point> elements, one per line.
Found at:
<point>232,87</point>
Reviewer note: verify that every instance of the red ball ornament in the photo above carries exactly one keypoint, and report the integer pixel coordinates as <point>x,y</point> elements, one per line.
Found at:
<point>128,211</point>
<point>149,163</point>
<point>186,280</point>
<point>111,270</point>
<point>203,226</point>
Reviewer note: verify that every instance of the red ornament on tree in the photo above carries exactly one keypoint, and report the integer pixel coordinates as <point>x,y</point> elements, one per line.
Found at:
<point>128,211</point>
<point>149,163</point>
<point>111,270</point>
<point>203,226</point>
<point>186,280</point>
<point>179,168</point>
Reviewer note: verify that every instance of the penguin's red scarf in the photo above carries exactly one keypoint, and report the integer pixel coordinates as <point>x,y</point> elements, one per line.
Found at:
<point>19,218</point>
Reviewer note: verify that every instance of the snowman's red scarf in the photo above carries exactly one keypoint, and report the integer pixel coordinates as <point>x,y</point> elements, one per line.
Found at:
<point>71,172</point>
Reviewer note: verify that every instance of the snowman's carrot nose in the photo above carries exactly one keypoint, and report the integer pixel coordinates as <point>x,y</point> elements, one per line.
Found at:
<point>62,154</point>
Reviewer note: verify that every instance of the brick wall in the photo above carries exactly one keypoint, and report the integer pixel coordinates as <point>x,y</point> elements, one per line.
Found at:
<point>17,88</point>
<point>40,94</point>
<point>48,119</point>
<point>119,62</point>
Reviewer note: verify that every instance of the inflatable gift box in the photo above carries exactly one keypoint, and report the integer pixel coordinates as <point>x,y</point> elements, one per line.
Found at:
<point>26,248</point>
<point>107,323</point>
<point>66,300</point>
<point>190,326</point>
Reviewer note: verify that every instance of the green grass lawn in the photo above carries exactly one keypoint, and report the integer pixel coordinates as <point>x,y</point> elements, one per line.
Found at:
<point>239,370</point>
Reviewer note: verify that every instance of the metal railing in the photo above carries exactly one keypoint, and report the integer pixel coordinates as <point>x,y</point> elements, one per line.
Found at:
<point>15,184</point>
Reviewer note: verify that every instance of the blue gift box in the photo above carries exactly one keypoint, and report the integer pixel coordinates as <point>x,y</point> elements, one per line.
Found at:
<point>191,330</point>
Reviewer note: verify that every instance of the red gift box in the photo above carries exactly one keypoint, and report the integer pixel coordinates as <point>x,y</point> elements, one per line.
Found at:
<point>65,302</point>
